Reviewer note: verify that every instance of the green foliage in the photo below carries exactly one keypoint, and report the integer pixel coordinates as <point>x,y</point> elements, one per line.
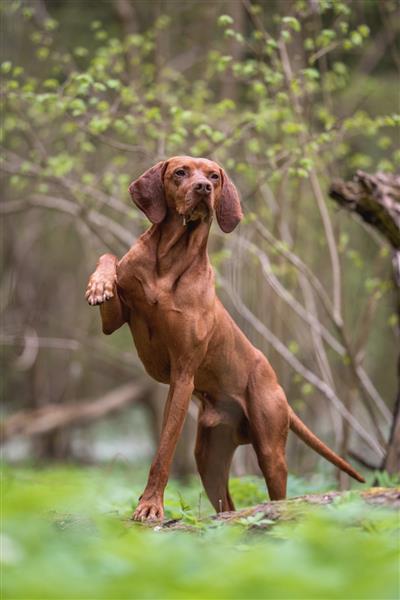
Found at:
<point>95,96</point>
<point>67,532</point>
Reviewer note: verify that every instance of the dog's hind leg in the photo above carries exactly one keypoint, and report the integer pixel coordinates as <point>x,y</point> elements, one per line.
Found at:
<point>269,425</point>
<point>214,450</point>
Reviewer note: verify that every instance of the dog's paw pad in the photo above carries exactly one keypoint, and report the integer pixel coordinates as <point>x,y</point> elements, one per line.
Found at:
<point>98,291</point>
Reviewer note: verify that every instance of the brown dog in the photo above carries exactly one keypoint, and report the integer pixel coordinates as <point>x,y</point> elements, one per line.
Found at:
<point>164,289</point>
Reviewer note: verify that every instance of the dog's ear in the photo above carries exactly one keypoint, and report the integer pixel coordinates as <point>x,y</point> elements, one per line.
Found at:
<point>228,209</point>
<point>147,192</point>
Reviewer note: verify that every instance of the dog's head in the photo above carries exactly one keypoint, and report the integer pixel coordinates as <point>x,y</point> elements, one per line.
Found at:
<point>194,187</point>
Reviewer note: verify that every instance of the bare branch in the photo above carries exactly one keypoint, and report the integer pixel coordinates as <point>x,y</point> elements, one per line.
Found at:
<point>332,246</point>
<point>12,164</point>
<point>300,265</point>
<point>307,316</point>
<point>53,416</point>
<point>343,348</point>
<point>91,216</point>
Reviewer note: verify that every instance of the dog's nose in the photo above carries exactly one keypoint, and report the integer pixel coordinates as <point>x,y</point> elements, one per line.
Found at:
<point>203,187</point>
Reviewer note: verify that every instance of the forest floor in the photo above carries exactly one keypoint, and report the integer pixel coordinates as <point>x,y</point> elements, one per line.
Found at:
<point>68,534</point>
<point>267,514</point>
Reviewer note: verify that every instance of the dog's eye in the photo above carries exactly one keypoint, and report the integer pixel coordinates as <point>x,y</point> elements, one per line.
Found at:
<point>180,173</point>
<point>214,176</point>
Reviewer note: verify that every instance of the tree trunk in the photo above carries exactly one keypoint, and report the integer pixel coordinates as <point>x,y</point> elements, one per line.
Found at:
<point>376,199</point>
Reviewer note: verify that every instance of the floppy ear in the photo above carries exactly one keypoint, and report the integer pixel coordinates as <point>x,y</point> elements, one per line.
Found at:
<point>228,209</point>
<point>147,192</point>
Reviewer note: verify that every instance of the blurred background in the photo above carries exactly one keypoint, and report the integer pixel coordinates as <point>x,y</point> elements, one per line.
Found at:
<point>287,97</point>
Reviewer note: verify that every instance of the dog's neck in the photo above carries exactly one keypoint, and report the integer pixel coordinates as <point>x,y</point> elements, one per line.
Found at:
<point>177,246</point>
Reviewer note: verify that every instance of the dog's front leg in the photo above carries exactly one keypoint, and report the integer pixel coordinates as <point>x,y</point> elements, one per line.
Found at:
<point>150,506</point>
<point>102,290</point>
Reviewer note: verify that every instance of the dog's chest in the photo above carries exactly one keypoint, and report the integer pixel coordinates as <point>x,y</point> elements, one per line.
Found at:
<point>169,315</point>
<point>143,291</point>
<point>147,287</point>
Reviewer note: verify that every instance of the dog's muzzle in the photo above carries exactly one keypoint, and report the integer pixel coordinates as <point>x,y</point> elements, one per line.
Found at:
<point>198,202</point>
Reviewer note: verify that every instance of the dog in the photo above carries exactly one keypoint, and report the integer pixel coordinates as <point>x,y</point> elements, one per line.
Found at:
<point>164,289</point>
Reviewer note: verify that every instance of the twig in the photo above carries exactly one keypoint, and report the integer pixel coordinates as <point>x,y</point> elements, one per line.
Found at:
<point>344,348</point>
<point>90,216</point>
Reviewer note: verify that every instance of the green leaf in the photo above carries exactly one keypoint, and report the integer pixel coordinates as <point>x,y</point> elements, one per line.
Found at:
<point>153,114</point>
<point>291,127</point>
<point>384,142</point>
<point>224,20</point>
<point>302,173</point>
<point>325,37</point>
<point>42,53</point>
<point>103,106</point>
<point>101,35</point>
<point>51,84</point>
<point>311,74</point>
<point>100,87</point>
<point>81,51</point>
<point>203,129</point>
<point>99,124</point>
<point>364,30</point>
<point>6,67</point>
<point>356,38</point>
<point>292,22</point>
<point>78,107</point>
<point>60,164</point>
<point>306,163</point>
<point>307,389</point>
<point>113,84</point>
<point>50,24</point>
<point>309,44</point>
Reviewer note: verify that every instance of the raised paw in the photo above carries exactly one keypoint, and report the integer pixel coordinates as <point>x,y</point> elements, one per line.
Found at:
<point>148,511</point>
<point>99,289</point>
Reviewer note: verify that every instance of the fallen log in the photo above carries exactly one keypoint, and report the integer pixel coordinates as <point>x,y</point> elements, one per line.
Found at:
<point>375,198</point>
<point>50,417</point>
<point>262,516</point>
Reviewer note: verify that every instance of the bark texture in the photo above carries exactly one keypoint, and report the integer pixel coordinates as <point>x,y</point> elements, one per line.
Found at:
<point>263,516</point>
<point>376,198</point>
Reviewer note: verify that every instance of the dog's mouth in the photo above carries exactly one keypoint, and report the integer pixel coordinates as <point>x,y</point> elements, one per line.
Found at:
<point>201,212</point>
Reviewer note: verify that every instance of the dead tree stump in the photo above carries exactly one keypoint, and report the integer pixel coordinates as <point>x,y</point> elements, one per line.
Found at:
<point>376,199</point>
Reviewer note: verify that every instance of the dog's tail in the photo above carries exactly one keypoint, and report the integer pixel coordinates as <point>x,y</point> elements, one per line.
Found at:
<point>297,425</point>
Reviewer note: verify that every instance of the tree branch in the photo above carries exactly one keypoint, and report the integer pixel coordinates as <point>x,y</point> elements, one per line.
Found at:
<point>54,416</point>
<point>375,198</point>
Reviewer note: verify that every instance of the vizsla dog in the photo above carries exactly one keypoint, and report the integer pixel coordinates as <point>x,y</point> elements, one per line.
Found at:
<point>164,289</point>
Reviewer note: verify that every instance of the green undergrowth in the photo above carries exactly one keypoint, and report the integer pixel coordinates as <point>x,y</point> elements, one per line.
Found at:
<point>66,534</point>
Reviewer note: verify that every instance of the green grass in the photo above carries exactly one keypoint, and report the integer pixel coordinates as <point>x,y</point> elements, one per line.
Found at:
<point>66,536</point>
